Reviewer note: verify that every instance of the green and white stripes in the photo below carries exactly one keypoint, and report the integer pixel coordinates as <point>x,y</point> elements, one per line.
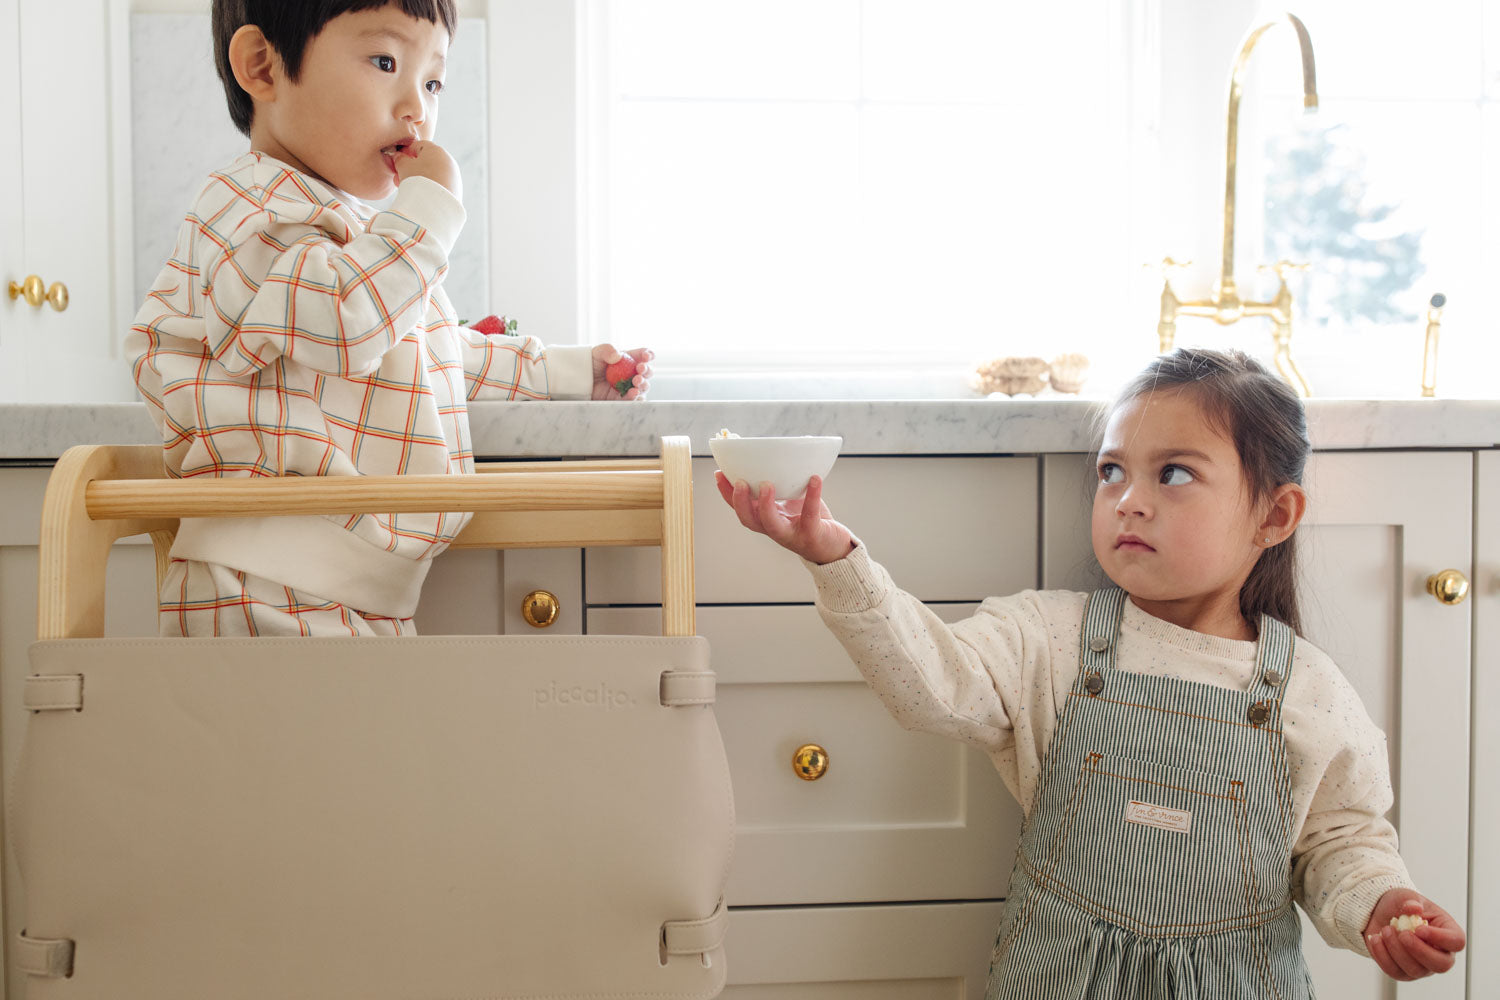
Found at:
<point>1156,859</point>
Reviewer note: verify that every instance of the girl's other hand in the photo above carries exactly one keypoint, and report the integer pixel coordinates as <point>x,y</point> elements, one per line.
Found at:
<point>1408,955</point>
<point>425,158</point>
<point>605,387</point>
<point>804,525</point>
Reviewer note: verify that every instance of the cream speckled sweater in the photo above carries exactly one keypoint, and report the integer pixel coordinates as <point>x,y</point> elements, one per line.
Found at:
<point>997,681</point>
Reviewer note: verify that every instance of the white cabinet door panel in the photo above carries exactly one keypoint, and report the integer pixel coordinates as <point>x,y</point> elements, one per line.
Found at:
<point>69,142</point>
<point>897,816</point>
<point>948,529</point>
<point>1484,872</point>
<point>927,952</point>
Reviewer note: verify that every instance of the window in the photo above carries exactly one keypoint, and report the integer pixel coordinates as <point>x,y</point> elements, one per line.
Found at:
<point>895,190</point>
<point>853,183</point>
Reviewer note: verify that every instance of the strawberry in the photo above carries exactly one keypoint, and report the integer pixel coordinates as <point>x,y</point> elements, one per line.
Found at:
<point>494,324</point>
<point>621,373</point>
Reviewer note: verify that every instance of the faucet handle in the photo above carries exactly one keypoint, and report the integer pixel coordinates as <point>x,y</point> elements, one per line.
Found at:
<point>1283,267</point>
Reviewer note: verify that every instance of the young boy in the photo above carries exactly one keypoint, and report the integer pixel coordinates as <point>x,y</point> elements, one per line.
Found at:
<point>296,333</point>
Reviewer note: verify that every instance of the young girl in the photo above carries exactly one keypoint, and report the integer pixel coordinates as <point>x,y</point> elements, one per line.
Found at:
<point>1188,765</point>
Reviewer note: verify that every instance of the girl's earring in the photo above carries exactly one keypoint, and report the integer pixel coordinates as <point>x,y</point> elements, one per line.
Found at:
<point>1268,541</point>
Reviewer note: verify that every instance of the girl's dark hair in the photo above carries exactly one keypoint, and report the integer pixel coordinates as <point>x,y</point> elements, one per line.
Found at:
<point>1265,420</point>
<point>289,25</point>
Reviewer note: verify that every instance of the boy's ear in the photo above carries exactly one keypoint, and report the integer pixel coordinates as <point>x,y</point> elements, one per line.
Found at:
<point>1288,504</point>
<point>255,63</point>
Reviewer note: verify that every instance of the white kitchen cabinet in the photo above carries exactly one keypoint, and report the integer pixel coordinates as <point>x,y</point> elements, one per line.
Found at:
<point>65,206</point>
<point>921,952</point>
<point>1378,524</point>
<point>896,816</point>
<point>1484,870</point>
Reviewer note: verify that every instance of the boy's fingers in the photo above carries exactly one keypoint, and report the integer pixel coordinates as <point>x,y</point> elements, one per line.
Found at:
<point>726,488</point>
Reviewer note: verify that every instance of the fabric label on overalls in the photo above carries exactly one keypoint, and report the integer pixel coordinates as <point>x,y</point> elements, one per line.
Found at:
<point>1161,817</point>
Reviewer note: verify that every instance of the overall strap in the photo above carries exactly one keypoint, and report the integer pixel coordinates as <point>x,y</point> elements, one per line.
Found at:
<point>1273,658</point>
<point>1101,627</point>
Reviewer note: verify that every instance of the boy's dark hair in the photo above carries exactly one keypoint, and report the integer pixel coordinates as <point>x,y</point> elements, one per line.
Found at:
<point>1266,421</point>
<point>289,25</point>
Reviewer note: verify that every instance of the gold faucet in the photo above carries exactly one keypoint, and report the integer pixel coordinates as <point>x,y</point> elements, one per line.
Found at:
<point>1226,306</point>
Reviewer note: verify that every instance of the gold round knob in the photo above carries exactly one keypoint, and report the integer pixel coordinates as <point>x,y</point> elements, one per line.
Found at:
<point>1450,586</point>
<point>810,762</point>
<point>35,293</point>
<point>540,608</point>
<point>31,288</point>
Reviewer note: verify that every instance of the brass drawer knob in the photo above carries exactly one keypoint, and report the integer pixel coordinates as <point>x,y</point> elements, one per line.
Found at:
<point>33,291</point>
<point>1450,586</point>
<point>540,608</point>
<point>810,762</point>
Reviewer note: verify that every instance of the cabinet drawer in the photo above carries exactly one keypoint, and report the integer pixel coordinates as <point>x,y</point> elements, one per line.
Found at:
<point>948,529</point>
<point>927,952</point>
<point>897,816</point>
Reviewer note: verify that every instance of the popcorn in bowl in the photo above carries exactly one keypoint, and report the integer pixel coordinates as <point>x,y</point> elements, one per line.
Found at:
<point>787,463</point>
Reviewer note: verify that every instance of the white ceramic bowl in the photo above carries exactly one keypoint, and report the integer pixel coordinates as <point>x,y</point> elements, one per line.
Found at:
<point>785,462</point>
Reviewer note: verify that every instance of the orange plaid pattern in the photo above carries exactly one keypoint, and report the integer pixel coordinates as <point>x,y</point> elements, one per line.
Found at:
<point>203,599</point>
<point>293,333</point>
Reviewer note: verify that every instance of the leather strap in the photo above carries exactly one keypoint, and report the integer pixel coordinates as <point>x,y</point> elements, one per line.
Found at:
<point>688,687</point>
<point>48,958</point>
<point>693,937</point>
<point>54,693</point>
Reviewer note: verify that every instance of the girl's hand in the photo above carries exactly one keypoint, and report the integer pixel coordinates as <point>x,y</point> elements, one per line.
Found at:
<point>1408,955</point>
<point>425,158</point>
<point>606,355</point>
<point>804,526</point>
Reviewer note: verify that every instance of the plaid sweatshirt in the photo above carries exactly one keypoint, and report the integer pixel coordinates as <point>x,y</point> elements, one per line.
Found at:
<point>293,333</point>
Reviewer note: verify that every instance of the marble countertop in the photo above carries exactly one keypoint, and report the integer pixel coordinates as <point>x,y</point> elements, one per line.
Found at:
<point>41,432</point>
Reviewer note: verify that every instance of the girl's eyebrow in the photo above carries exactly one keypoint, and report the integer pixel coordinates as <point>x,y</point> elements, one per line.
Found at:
<point>1162,454</point>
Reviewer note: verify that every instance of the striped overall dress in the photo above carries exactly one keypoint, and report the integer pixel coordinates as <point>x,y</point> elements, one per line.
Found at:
<point>1156,861</point>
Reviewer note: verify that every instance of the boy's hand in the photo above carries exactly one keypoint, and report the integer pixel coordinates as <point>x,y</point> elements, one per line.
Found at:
<point>1408,955</point>
<point>605,388</point>
<point>804,526</point>
<point>425,158</point>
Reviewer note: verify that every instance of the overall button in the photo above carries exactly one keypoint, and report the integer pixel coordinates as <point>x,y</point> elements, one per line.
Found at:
<point>1273,678</point>
<point>1093,684</point>
<point>1098,644</point>
<point>1259,713</point>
